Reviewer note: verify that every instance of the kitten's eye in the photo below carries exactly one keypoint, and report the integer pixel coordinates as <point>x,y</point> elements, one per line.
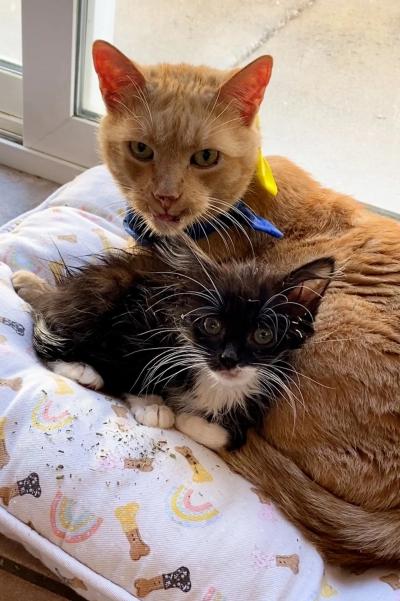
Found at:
<point>263,336</point>
<point>141,151</point>
<point>212,326</point>
<point>205,158</point>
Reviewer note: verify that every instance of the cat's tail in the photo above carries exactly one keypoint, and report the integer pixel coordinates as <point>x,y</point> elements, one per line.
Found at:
<point>346,534</point>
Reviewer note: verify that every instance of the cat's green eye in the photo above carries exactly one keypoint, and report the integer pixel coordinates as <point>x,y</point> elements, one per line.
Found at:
<point>212,326</point>
<point>141,151</point>
<point>263,336</point>
<point>205,158</point>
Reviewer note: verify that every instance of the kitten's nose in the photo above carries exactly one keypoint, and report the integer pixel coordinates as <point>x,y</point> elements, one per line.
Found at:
<point>166,200</point>
<point>228,358</point>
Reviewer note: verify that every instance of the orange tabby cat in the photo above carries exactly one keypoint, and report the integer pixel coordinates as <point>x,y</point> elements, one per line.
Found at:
<point>182,144</point>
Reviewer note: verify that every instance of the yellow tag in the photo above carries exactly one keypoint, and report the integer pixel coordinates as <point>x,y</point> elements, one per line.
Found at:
<point>265,175</point>
<point>264,171</point>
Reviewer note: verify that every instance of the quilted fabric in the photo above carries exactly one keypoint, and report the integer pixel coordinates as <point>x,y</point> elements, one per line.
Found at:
<point>118,510</point>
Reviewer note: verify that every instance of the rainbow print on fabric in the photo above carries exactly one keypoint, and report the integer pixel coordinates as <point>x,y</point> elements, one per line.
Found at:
<point>43,419</point>
<point>67,524</point>
<point>184,511</point>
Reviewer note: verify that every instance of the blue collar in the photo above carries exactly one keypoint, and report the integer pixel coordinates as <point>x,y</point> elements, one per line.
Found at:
<point>240,212</point>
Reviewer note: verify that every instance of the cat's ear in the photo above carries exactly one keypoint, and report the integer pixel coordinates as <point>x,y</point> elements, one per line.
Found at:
<point>245,89</point>
<point>115,72</point>
<point>306,286</point>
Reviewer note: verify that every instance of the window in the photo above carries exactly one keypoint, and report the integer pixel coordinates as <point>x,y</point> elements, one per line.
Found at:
<point>10,67</point>
<point>333,104</point>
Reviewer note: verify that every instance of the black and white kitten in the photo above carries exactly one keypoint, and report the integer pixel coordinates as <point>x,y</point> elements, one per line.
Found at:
<point>216,341</point>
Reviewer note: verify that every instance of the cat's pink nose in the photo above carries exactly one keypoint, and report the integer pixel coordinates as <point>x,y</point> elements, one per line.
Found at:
<point>166,201</point>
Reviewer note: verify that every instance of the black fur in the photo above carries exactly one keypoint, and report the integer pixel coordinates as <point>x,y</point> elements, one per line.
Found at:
<point>129,311</point>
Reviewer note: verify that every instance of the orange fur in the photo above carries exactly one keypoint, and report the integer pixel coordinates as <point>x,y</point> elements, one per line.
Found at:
<point>329,455</point>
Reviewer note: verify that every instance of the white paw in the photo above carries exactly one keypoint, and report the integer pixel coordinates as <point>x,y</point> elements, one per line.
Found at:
<point>154,416</point>
<point>199,429</point>
<point>80,372</point>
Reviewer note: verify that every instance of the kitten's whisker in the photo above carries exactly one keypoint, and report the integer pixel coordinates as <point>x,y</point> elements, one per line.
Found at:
<point>159,379</point>
<point>299,373</point>
<point>206,292</point>
<point>212,300</point>
<point>332,340</point>
<point>158,361</point>
<point>142,350</point>
<point>272,376</point>
<point>153,375</point>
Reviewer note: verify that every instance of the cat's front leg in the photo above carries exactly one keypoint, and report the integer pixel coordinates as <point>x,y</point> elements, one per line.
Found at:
<point>209,434</point>
<point>80,372</point>
<point>150,411</point>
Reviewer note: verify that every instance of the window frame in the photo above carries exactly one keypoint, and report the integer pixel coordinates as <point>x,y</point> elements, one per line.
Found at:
<point>53,142</point>
<point>11,98</point>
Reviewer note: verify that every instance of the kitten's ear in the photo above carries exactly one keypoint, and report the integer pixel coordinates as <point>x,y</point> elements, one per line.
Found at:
<point>306,285</point>
<point>246,88</point>
<point>115,71</point>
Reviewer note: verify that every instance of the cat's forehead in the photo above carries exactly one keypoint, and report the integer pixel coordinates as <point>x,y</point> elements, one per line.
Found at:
<point>248,286</point>
<point>182,108</point>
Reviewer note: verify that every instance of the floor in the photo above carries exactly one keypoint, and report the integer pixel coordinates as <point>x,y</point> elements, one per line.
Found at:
<point>24,578</point>
<point>20,192</point>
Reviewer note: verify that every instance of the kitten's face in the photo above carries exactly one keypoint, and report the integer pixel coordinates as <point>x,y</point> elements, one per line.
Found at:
<point>181,141</point>
<point>242,329</point>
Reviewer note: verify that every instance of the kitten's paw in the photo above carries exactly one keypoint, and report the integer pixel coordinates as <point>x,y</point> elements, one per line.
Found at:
<point>199,429</point>
<point>155,416</point>
<point>28,285</point>
<point>80,372</point>
<point>150,411</point>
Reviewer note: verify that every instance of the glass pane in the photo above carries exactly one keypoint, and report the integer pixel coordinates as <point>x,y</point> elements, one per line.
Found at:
<point>321,109</point>
<point>153,31</point>
<point>10,32</point>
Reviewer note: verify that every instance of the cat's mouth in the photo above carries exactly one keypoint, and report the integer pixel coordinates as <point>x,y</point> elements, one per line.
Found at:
<point>230,374</point>
<point>235,376</point>
<point>166,223</point>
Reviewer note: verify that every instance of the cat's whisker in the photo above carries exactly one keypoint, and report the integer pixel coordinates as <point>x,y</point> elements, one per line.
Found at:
<point>213,301</point>
<point>219,230</point>
<point>270,317</point>
<point>158,379</point>
<point>277,392</point>
<point>207,293</point>
<point>222,125</point>
<point>131,114</point>
<point>164,359</point>
<point>216,117</point>
<point>328,340</point>
<point>299,373</point>
<point>142,350</point>
<point>274,377</point>
<point>235,223</point>
<point>154,375</point>
<point>284,375</point>
<point>203,309</point>
<point>158,361</point>
<point>141,96</point>
<point>213,215</point>
<point>198,258</point>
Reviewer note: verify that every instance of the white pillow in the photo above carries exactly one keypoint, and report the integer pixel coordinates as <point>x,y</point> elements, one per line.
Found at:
<point>117,510</point>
